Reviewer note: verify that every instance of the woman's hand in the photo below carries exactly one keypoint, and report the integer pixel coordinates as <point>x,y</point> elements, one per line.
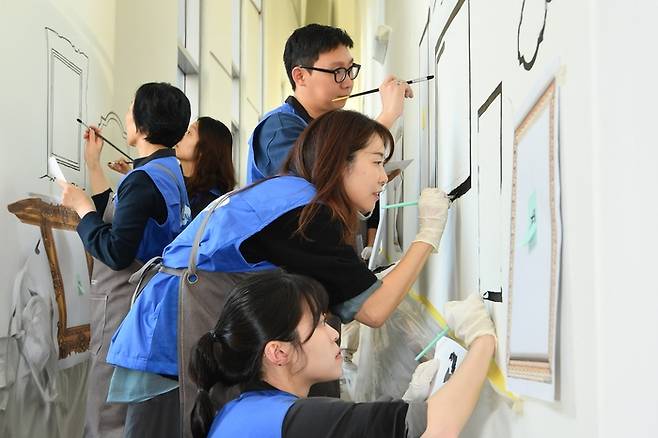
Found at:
<point>469,319</point>
<point>420,386</point>
<point>93,147</point>
<point>432,216</point>
<point>73,197</point>
<point>121,166</point>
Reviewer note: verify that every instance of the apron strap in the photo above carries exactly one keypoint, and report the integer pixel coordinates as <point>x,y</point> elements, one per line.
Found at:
<point>139,277</point>
<point>191,275</point>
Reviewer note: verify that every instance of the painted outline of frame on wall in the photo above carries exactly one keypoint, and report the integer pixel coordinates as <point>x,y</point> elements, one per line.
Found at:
<point>49,217</point>
<point>448,146</point>
<point>534,269</point>
<point>490,183</point>
<point>113,117</point>
<point>68,70</point>
<point>424,164</point>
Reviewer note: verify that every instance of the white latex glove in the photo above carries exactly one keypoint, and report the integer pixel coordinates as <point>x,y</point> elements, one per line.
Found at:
<point>366,253</point>
<point>421,381</point>
<point>469,319</point>
<point>432,216</point>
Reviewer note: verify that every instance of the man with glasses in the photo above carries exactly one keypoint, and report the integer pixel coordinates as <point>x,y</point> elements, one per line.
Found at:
<point>320,68</point>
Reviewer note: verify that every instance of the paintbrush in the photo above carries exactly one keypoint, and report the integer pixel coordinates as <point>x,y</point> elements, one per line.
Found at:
<point>374,90</point>
<point>130,160</point>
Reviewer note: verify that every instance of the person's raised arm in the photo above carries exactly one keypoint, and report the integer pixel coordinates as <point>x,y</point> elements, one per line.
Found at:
<point>93,148</point>
<point>452,405</point>
<point>392,92</point>
<point>432,215</point>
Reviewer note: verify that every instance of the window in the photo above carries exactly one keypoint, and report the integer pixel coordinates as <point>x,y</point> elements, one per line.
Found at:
<point>187,75</point>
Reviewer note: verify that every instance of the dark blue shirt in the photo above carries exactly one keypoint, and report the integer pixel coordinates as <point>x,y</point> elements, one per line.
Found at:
<point>276,136</point>
<point>116,243</point>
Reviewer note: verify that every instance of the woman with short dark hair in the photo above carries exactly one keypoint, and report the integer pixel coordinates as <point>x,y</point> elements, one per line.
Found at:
<point>205,155</point>
<point>124,230</point>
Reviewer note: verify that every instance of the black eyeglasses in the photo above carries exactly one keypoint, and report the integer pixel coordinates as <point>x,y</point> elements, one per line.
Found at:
<point>340,73</point>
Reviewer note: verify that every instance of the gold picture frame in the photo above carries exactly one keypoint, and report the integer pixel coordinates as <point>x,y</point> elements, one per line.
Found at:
<point>49,217</point>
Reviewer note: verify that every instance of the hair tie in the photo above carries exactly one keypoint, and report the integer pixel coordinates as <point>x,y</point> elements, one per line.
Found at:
<point>213,335</point>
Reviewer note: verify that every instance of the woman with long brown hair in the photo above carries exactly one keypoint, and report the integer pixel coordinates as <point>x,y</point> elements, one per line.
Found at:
<point>205,154</point>
<point>303,220</point>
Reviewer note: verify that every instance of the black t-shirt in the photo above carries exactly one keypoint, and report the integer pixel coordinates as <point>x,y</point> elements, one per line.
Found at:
<point>320,255</point>
<point>323,417</point>
<point>373,221</point>
<point>199,200</point>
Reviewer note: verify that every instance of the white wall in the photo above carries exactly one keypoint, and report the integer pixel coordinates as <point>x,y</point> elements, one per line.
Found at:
<point>608,158</point>
<point>146,47</point>
<point>216,58</point>
<point>125,49</point>
<point>23,113</point>
<point>624,160</point>
<point>280,19</point>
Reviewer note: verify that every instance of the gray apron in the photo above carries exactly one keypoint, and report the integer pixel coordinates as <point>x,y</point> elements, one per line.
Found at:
<point>201,298</point>
<point>109,301</point>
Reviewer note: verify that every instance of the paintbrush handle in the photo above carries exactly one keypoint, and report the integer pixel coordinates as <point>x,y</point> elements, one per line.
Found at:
<point>130,160</point>
<point>374,90</point>
<point>363,93</point>
<point>432,343</point>
<point>401,204</point>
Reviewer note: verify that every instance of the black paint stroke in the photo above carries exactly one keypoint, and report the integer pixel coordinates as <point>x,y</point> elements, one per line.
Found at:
<point>497,93</point>
<point>113,117</point>
<point>451,18</point>
<point>465,186</point>
<point>451,368</point>
<point>425,29</point>
<point>460,190</point>
<point>494,296</point>
<point>441,50</point>
<point>522,61</point>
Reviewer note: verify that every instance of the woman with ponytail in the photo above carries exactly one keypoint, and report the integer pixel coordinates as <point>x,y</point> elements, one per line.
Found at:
<point>271,343</point>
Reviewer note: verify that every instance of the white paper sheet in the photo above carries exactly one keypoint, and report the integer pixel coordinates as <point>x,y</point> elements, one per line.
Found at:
<point>450,355</point>
<point>54,170</point>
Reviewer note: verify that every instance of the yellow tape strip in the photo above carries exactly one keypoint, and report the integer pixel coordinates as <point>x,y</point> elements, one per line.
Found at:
<point>495,376</point>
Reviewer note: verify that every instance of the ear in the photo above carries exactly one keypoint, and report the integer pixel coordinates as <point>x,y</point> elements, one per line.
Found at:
<point>299,76</point>
<point>277,353</point>
<point>140,134</point>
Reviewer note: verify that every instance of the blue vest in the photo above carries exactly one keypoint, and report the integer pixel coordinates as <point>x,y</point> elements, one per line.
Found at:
<point>253,173</point>
<point>168,178</point>
<point>255,414</point>
<point>147,338</point>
